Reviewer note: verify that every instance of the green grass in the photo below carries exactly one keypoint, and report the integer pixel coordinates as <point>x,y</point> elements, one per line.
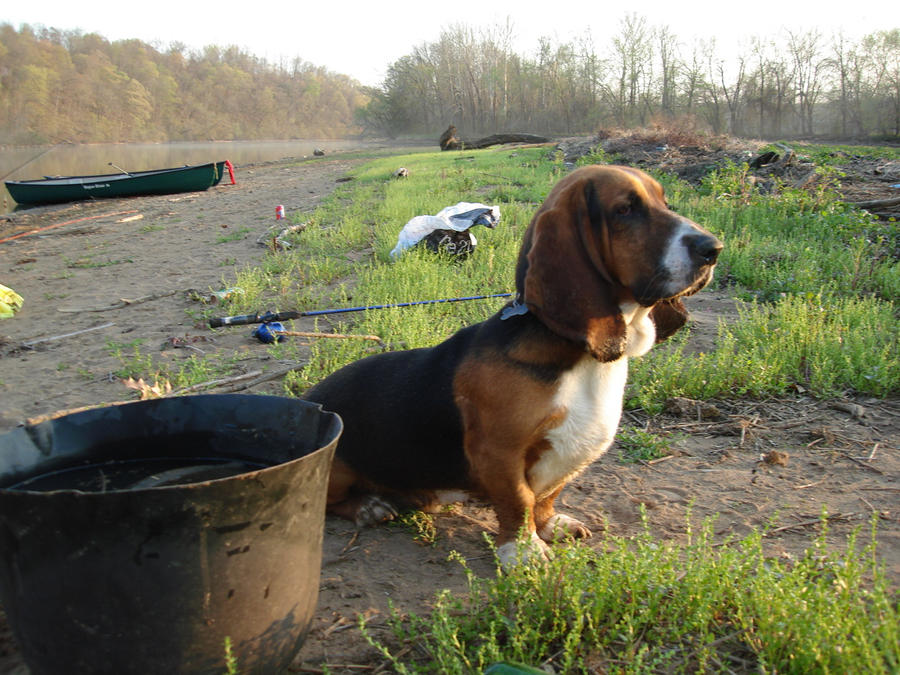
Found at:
<point>342,257</point>
<point>821,277</point>
<point>820,280</point>
<point>420,525</point>
<point>644,606</point>
<point>826,345</point>
<point>87,263</point>
<point>136,362</point>
<point>641,445</point>
<point>795,241</point>
<point>831,155</point>
<point>237,235</point>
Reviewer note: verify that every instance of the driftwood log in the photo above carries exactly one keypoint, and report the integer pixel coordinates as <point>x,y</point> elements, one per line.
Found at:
<point>878,203</point>
<point>450,141</point>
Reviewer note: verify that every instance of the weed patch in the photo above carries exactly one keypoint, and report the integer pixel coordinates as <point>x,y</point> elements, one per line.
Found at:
<point>642,605</point>
<point>823,345</point>
<point>640,445</point>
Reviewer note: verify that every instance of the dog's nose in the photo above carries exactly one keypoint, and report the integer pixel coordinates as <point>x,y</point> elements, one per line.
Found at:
<point>704,248</point>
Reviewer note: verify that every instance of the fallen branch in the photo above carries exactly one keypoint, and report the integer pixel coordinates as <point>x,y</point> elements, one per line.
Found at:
<point>852,408</point>
<point>238,383</point>
<point>861,463</point>
<point>876,203</point>
<point>31,343</point>
<point>662,459</point>
<point>450,141</point>
<point>501,139</point>
<point>811,522</point>
<point>210,384</point>
<point>274,375</point>
<point>123,302</point>
<point>874,450</point>
<point>68,222</point>
<point>809,485</point>
<point>350,543</point>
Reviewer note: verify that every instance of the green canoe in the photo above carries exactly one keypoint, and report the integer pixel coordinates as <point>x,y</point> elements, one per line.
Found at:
<point>74,188</point>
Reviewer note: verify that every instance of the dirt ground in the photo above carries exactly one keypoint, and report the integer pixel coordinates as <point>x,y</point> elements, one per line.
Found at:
<point>748,461</point>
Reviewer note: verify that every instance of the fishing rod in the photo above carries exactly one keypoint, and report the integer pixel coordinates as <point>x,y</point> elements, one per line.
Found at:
<point>266,317</point>
<point>33,159</point>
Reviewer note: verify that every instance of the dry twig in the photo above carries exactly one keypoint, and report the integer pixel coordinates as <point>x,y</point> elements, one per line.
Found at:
<point>808,523</point>
<point>68,222</point>
<point>31,343</point>
<point>123,302</point>
<point>211,384</point>
<point>274,375</point>
<point>861,463</point>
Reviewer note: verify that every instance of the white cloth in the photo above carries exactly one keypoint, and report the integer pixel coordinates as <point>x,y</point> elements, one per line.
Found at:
<point>459,217</point>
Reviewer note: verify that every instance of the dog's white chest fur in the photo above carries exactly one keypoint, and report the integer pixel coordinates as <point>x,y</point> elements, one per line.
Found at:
<point>591,396</point>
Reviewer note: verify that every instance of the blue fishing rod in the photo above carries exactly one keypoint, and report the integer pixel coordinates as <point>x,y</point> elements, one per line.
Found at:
<point>267,317</point>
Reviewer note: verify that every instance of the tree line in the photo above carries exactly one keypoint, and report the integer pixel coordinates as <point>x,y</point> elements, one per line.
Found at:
<point>58,86</point>
<point>794,84</point>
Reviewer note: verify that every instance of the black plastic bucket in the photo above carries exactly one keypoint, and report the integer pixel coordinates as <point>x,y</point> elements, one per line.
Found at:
<point>195,519</point>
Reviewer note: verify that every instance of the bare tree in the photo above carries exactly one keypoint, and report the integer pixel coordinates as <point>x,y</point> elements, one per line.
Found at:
<point>846,65</point>
<point>591,71</point>
<point>712,99</point>
<point>692,79</point>
<point>733,92</point>
<point>769,88</point>
<point>809,65</point>
<point>632,50</point>
<point>670,64</point>
<point>883,49</point>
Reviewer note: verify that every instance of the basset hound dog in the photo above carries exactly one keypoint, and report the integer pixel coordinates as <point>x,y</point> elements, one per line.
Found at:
<point>513,408</point>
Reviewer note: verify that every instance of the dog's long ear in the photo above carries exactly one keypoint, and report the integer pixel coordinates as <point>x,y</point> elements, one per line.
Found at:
<point>668,316</point>
<point>562,277</point>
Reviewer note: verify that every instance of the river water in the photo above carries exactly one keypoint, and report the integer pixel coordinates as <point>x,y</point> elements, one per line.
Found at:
<point>31,162</point>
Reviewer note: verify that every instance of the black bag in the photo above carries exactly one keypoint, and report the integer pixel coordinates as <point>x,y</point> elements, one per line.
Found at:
<point>450,242</point>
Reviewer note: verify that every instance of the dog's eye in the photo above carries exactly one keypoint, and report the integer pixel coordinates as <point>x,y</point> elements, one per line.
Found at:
<point>624,210</point>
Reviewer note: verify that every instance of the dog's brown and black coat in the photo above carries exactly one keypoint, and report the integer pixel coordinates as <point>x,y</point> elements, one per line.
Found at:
<point>514,407</point>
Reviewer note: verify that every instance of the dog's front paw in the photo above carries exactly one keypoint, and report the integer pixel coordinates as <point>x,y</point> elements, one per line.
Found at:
<point>530,550</point>
<point>373,510</point>
<point>560,526</point>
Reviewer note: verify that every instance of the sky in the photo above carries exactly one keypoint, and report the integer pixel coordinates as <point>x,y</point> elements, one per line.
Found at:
<point>361,39</point>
